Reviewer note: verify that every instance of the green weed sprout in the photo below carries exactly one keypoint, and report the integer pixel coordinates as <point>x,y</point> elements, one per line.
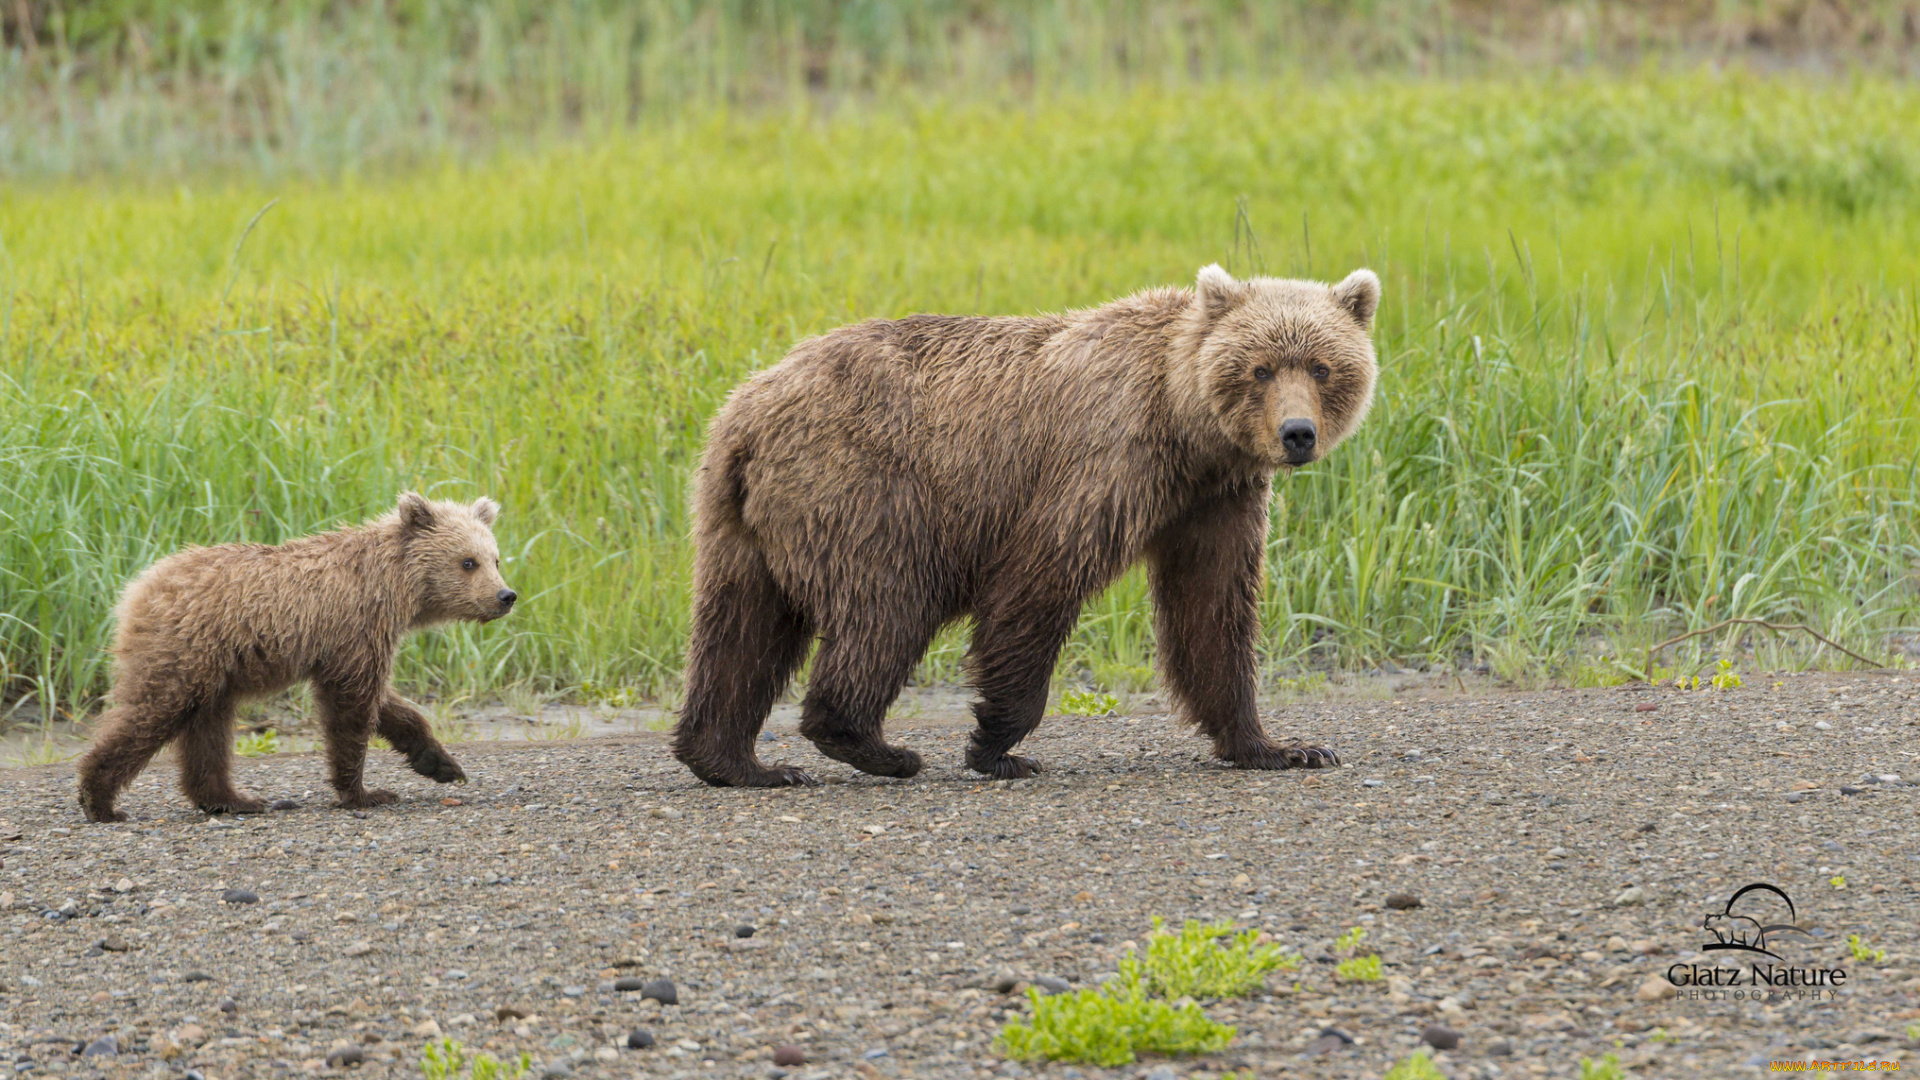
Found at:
<point>1190,963</point>
<point>448,1061</point>
<point>1607,1068</point>
<point>1863,953</point>
<point>257,743</point>
<point>1725,678</point>
<point>1355,968</point>
<point>1108,1025</point>
<point>1088,703</point>
<point>1417,1067</point>
<point>1839,882</point>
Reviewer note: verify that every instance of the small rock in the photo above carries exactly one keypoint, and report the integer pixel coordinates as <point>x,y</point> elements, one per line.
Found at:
<point>1401,901</point>
<point>455,974</point>
<point>114,943</point>
<point>1500,1048</point>
<point>875,1054</point>
<point>1440,1037</point>
<point>665,813</point>
<point>606,1053</point>
<point>124,885</point>
<point>1363,783</point>
<point>1329,1041</point>
<point>1656,989</point>
<point>556,1068</point>
<point>191,1036</point>
<point>1647,706</point>
<point>662,991</point>
<point>240,896</point>
<point>1822,725</point>
<point>504,1013</point>
<point>1005,982</point>
<point>1795,796</point>
<point>789,1055</point>
<point>196,977</point>
<point>629,984</point>
<point>642,1039</point>
<point>1849,789</point>
<point>1162,1072</point>
<point>228,1005</point>
<point>105,1046</point>
<point>345,1056</point>
<point>358,948</point>
<point>426,1029</point>
<point>744,930</point>
<point>1019,909</point>
<point>1052,984</point>
<point>1630,896</point>
<point>283,804</point>
<point>1644,947</point>
<point>574,991</point>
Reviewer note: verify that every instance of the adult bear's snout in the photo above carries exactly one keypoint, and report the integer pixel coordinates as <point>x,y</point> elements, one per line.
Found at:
<point>1297,438</point>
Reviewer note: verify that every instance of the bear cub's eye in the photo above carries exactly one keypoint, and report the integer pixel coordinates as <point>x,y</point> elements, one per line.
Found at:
<point>1321,371</point>
<point>468,564</point>
<point>1262,374</point>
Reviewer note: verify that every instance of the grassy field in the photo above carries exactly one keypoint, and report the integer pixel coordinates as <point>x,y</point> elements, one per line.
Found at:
<point>1649,351</point>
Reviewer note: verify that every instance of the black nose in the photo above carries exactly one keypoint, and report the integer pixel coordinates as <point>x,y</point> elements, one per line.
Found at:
<point>1297,436</point>
<point>508,596</point>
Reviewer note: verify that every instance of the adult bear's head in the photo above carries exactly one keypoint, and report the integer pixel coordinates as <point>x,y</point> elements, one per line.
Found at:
<point>1285,366</point>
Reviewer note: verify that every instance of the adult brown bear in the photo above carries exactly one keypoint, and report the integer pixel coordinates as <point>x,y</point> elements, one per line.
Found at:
<point>889,477</point>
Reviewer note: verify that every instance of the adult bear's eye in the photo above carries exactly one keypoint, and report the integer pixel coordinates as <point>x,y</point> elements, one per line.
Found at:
<point>467,564</point>
<point>1262,374</point>
<point>1321,371</point>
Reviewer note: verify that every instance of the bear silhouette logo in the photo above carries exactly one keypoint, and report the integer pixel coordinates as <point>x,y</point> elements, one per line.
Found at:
<point>1745,933</point>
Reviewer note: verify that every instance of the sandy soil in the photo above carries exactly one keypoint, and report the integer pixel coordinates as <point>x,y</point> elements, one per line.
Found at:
<point>1563,846</point>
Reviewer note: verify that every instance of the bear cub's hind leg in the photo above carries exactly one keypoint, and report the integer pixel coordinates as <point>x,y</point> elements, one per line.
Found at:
<point>206,762</point>
<point>126,738</point>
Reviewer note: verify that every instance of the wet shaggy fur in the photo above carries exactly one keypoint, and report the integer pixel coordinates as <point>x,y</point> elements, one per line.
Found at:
<point>206,628</point>
<point>890,477</point>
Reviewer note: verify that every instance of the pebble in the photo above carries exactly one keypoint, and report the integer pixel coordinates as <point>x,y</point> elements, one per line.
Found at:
<point>1005,982</point>
<point>1630,896</point>
<point>1795,796</point>
<point>1365,783</point>
<point>1499,1048</point>
<point>744,930</point>
<point>1440,1037</point>
<point>1849,789</point>
<point>228,1005</point>
<point>556,1068</point>
<point>358,948</point>
<point>642,1039</point>
<point>114,943</point>
<point>662,991</point>
<point>105,1046</point>
<point>1329,1040</point>
<point>789,1055</point>
<point>1822,725</point>
<point>345,1056</point>
<point>1401,901</point>
<point>1656,989</point>
<point>875,1054</point>
<point>240,896</point>
<point>456,974</point>
<point>283,804</point>
<point>196,977</point>
<point>1052,984</point>
<point>1162,1072</point>
<point>629,984</point>
<point>574,991</point>
<point>606,1053</point>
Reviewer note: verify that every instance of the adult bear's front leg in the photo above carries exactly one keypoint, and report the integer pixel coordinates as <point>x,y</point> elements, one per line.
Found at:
<point>1206,570</point>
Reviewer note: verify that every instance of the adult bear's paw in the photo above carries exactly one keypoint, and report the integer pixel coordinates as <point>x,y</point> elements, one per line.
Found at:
<point>1005,766</point>
<point>872,757</point>
<point>1274,755</point>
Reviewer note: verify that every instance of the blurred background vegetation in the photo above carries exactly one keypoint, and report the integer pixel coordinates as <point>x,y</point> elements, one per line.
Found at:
<point>1649,342</point>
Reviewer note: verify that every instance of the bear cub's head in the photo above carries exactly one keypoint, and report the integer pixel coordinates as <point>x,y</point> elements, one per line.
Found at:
<point>1286,366</point>
<point>452,561</point>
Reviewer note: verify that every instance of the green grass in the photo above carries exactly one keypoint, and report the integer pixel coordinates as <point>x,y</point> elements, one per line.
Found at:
<point>1211,960</point>
<point>1648,354</point>
<point>1109,1025</point>
<point>1607,1068</point>
<point>1417,1067</point>
<point>449,1061</point>
<point>257,743</point>
<point>1087,703</point>
<point>1863,952</point>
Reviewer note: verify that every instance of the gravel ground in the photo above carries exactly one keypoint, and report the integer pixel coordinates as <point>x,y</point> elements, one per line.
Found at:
<point>1563,847</point>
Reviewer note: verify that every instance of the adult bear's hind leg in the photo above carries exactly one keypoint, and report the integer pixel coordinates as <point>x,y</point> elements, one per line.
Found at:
<point>747,641</point>
<point>858,673</point>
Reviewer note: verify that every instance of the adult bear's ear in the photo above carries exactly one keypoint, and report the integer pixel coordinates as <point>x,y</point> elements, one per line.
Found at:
<point>1359,295</point>
<point>1216,292</point>
<point>416,513</point>
<point>486,511</point>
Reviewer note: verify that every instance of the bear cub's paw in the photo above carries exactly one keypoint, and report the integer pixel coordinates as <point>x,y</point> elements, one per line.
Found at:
<point>100,815</point>
<point>363,800</point>
<point>437,765</point>
<point>1285,756</point>
<point>1005,767</point>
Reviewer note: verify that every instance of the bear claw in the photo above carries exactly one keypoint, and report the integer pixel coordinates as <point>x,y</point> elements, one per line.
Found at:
<point>1007,767</point>
<point>438,766</point>
<point>234,805</point>
<point>362,800</point>
<point>1286,756</point>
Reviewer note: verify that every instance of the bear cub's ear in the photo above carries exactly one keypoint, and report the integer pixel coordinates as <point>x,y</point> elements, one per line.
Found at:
<point>486,511</point>
<point>1216,291</point>
<point>416,513</point>
<point>1359,294</point>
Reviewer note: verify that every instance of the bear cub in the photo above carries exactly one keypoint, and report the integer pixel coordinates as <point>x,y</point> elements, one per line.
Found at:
<point>206,628</point>
<point>888,478</point>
